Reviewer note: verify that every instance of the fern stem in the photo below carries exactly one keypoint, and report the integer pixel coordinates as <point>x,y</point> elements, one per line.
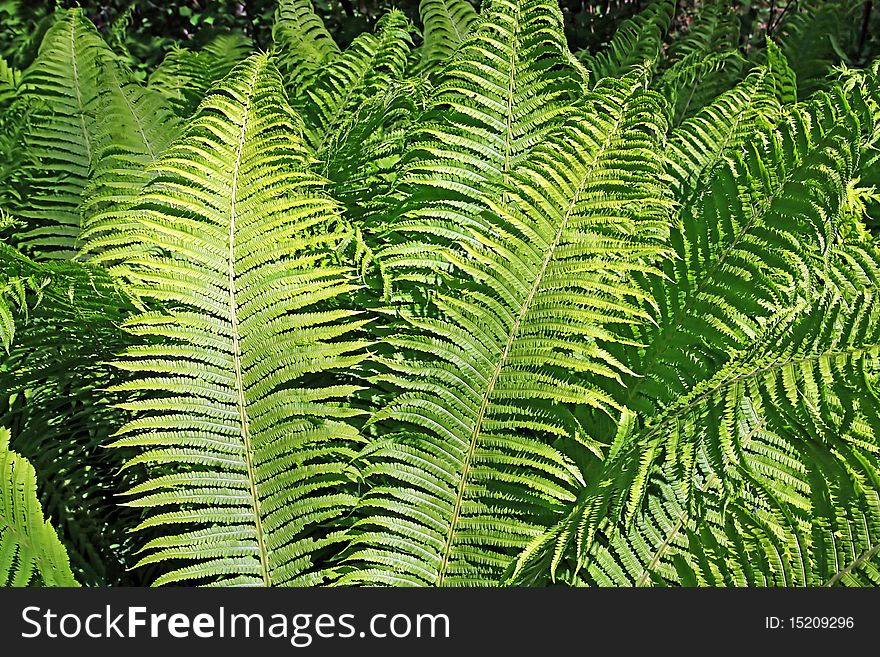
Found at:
<point>511,83</point>
<point>236,348</point>
<point>81,110</point>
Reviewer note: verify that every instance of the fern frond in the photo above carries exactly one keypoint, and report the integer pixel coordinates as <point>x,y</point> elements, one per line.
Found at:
<point>63,85</point>
<point>700,144</point>
<point>222,53</point>
<point>798,172</point>
<point>303,41</point>
<point>137,125</point>
<point>696,80</point>
<point>765,474</point>
<point>10,79</point>
<point>813,40</point>
<point>782,73</point>
<point>238,418</point>
<point>185,76</point>
<point>510,85</point>
<point>780,195</point>
<point>54,378</point>
<point>714,30</point>
<point>703,63</point>
<point>464,470</point>
<point>635,43</point>
<point>183,79</point>
<point>445,25</point>
<point>361,159</point>
<point>336,90</point>
<point>30,552</point>
<point>785,426</point>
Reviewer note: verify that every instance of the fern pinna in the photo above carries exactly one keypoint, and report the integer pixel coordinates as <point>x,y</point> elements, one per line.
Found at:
<point>450,306</point>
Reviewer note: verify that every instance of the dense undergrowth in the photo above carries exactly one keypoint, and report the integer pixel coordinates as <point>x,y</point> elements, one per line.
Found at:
<point>451,306</point>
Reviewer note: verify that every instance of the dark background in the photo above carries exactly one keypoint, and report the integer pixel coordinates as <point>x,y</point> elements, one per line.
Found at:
<point>151,27</point>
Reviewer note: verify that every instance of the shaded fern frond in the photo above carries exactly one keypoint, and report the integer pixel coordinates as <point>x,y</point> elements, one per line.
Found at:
<point>54,379</point>
<point>364,71</point>
<point>636,42</point>
<point>137,124</point>
<point>63,86</point>
<point>704,62</point>
<point>185,76</point>
<point>303,41</point>
<point>714,30</point>
<point>696,80</point>
<point>361,158</point>
<point>813,40</point>
<point>765,474</point>
<point>222,53</point>
<point>182,78</point>
<point>446,24</point>
<point>780,195</point>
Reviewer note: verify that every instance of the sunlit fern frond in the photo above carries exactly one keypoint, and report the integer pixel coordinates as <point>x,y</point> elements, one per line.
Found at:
<point>464,467</point>
<point>511,84</point>
<point>782,74</point>
<point>700,144</point>
<point>10,79</point>
<point>239,417</point>
<point>30,552</point>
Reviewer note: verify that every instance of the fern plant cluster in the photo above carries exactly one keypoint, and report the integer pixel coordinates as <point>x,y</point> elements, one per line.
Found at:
<point>453,306</point>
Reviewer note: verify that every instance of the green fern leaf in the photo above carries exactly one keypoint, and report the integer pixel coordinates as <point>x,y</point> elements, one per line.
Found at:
<point>137,124</point>
<point>185,76</point>
<point>303,41</point>
<point>812,38</point>
<point>446,24</point>
<point>785,77</point>
<point>782,435</point>
<point>366,68</point>
<point>484,120</point>
<point>635,43</point>
<point>781,195</point>
<point>63,83</point>
<point>30,552</point>
<point>237,417</point>
<point>10,79</point>
<point>464,469</point>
